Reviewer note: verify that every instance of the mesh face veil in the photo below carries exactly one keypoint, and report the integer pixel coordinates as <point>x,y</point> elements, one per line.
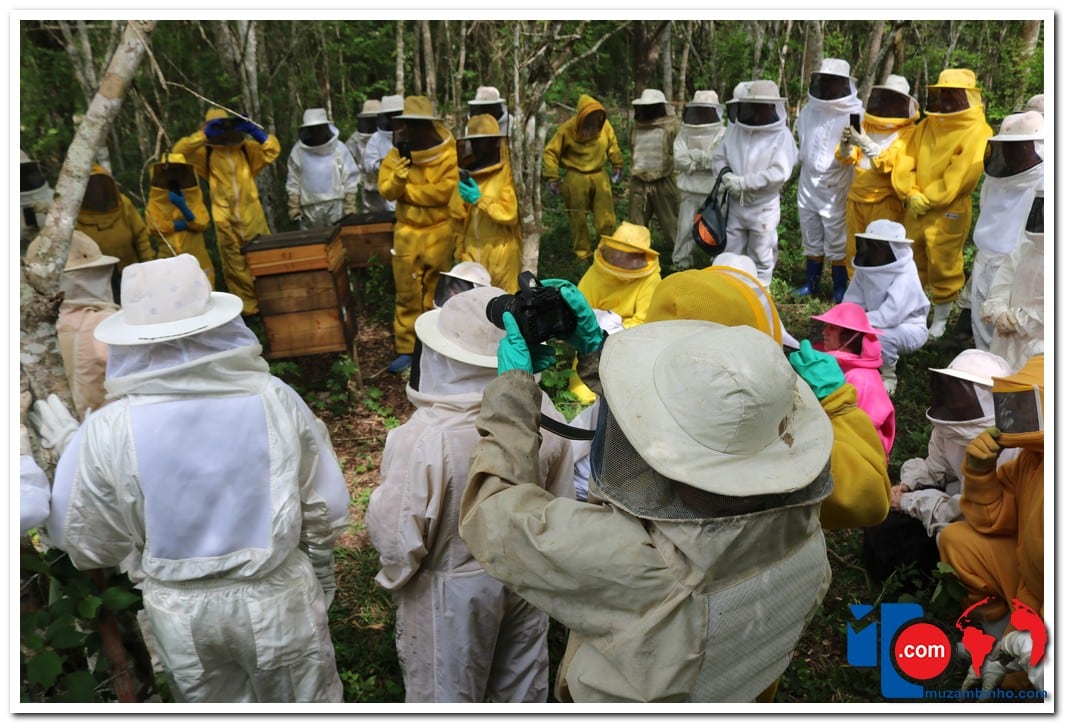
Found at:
<point>756,114</point>
<point>30,176</point>
<point>886,103</point>
<point>101,194</point>
<point>173,176</point>
<point>701,115</point>
<point>315,135</point>
<point>1018,411</point>
<point>448,286</point>
<point>620,475</point>
<point>1009,158</point>
<point>1034,224</point>
<point>946,100</point>
<point>828,87</point>
<point>953,399</point>
<point>872,252</point>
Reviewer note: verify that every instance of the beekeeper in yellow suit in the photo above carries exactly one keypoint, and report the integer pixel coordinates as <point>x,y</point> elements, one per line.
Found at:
<point>484,208</point>
<point>223,153</point>
<point>890,115</point>
<point>420,174</point>
<point>939,170</point>
<point>583,145</point>
<point>176,211</point>
<point>111,220</point>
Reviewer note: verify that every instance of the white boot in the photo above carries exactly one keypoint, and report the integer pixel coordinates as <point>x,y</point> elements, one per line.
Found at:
<point>887,374</point>
<point>940,312</point>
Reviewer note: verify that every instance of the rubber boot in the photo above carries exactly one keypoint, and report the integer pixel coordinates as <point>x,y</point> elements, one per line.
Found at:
<point>940,312</point>
<point>887,374</point>
<point>962,333</point>
<point>839,282</point>
<point>814,267</point>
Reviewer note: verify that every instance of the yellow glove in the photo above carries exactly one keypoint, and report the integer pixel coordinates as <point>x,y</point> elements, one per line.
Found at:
<point>981,455</point>
<point>918,203</point>
<point>402,172</point>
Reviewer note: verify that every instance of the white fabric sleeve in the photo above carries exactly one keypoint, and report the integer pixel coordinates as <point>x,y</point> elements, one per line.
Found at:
<point>351,172</point>
<point>998,296</point>
<point>35,494</point>
<point>293,180</point>
<point>934,508</point>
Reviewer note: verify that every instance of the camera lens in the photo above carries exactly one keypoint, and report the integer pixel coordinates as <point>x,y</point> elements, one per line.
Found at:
<point>496,306</point>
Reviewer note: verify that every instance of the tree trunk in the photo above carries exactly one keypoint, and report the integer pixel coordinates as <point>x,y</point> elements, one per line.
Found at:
<point>430,64</point>
<point>79,48</point>
<point>758,31</point>
<point>813,49</point>
<point>647,42</point>
<point>682,74</point>
<point>460,70</point>
<point>872,54</point>
<point>1029,42</point>
<point>401,81</point>
<point>39,295</point>
<point>667,62</point>
<point>416,63</point>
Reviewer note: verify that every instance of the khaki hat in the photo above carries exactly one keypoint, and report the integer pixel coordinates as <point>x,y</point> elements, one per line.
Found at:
<point>370,107</point>
<point>758,91</point>
<point>471,272</point>
<point>213,113</point>
<point>955,78</point>
<point>649,97</point>
<point>630,237</point>
<point>486,95</point>
<point>166,299</point>
<point>460,329</point>
<point>717,408</point>
<point>835,66</point>
<point>315,117</point>
<point>85,253</point>
<point>418,108</point>
<point>976,366</point>
<point>391,104</point>
<point>483,125</point>
<point>896,83</point>
<point>1027,126</point>
<point>1035,103</point>
<point>705,98</point>
<point>741,91</point>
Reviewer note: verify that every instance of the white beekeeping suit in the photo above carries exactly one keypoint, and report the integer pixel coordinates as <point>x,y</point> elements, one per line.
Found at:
<point>218,480</point>
<point>35,199</point>
<point>961,409</point>
<point>381,142</point>
<point>488,100</point>
<point>693,153</point>
<point>760,150</point>
<point>322,178</point>
<point>823,180</point>
<point>889,290</point>
<point>366,125</point>
<point>1015,302</point>
<point>461,635</point>
<point>1013,175</point>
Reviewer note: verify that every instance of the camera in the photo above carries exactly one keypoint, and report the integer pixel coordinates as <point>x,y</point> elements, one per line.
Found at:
<point>464,175</point>
<point>541,312</point>
<point>404,149</point>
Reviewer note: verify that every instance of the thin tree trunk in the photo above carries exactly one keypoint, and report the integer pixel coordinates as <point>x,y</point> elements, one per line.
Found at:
<point>430,64</point>
<point>813,49</point>
<point>460,71</point>
<point>416,60</point>
<point>758,30</point>
<point>401,81</point>
<point>784,56</point>
<point>667,61</point>
<point>872,54</point>
<point>1029,42</point>
<point>955,33</point>
<point>40,360</point>
<point>682,75</point>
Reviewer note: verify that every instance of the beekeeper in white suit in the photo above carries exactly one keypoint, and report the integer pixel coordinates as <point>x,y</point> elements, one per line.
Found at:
<point>323,179</point>
<point>461,635</point>
<point>823,180</point>
<point>693,152</point>
<point>219,480</point>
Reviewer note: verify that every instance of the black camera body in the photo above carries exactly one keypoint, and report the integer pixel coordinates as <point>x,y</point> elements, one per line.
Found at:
<point>403,147</point>
<point>541,312</point>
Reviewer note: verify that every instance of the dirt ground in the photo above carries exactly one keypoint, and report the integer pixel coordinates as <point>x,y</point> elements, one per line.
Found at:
<point>359,433</point>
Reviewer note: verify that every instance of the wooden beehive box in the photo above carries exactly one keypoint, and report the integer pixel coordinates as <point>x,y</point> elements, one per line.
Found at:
<point>367,236</point>
<point>301,280</point>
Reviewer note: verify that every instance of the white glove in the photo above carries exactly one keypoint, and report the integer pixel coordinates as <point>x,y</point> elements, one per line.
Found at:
<point>732,182</point>
<point>699,157</point>
<point>868,146</point>
<point>1015,651</point>
<point>54,422</point>
<point>1007,323</point>
<point>322,561</point>
<point>991,675</point>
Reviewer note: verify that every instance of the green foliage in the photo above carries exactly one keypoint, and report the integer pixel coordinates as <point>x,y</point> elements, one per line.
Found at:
<point>323,381</point>
<point>61,648</point>
<point>371,400</point>
<point>375,290</point>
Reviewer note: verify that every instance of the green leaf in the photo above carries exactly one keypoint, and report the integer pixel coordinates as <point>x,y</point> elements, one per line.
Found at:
<point>43,669</point>
<point>89,606</point>
<point>33,563</point>
<point>80,687</point>
<point>63,635</point>
<point>116,598</point>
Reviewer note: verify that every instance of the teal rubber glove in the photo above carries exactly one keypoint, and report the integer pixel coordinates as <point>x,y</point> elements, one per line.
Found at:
<point>470,192</point>
<point>820,369</point>
<point>588,336</point>
<point>514,353</point>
